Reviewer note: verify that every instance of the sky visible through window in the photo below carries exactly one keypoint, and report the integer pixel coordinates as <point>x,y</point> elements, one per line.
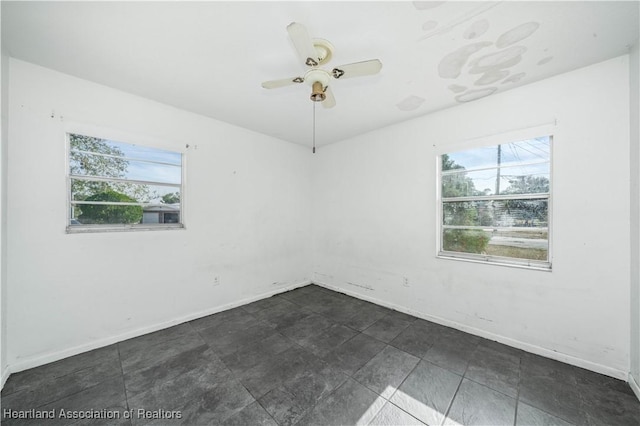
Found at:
<point>524,158</point>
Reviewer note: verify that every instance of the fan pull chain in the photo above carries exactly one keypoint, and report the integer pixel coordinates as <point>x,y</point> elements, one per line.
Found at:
<point>314,127</point>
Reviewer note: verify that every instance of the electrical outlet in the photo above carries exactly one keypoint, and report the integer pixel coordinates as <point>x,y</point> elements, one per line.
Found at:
<point>405,282</point>
<point>216,280</point>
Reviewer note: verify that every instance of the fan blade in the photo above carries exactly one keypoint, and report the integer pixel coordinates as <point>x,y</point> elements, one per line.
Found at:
<point>274,84</point>
<point>357,69</point>
<point>303,44</point>
<point>330,100</point>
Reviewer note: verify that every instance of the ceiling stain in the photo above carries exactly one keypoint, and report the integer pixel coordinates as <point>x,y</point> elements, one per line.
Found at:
<point>491,77</point>
<point>516,34</point>
<point>472,95</point>
<point>429,25</point>
<point>545,60</point>
<point>461,19</point>
<point>456,88</point>
<point>514,78</point>
<point>451,65</point>
<point>410,103</point>
<point>505,58</point>
<point>476,29</point>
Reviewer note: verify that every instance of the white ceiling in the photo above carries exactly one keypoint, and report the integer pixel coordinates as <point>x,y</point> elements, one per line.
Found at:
<point>210,57</point>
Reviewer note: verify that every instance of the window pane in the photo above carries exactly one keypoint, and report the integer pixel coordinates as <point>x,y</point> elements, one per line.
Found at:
<point>531,179</point>
<point>496,213</point>
<point>508,154</point>
<point>519,244</point>
<point>94,214</point>
<point>503,243</point>
<point>114,163</point>
<point>82,190</point>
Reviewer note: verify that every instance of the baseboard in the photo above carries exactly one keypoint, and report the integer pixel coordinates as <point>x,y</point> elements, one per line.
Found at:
<point>538,350</point>
<point>634,384</point>
<point>32,362</point>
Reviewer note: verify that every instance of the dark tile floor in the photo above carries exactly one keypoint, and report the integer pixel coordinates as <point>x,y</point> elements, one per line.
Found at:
<point>315,357</point>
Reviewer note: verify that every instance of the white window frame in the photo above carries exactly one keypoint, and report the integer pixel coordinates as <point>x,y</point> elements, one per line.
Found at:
<point>128,138</point>
<point>550,130</point>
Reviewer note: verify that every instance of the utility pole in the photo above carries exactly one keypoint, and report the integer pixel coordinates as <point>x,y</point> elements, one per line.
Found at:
<point>498,173</point>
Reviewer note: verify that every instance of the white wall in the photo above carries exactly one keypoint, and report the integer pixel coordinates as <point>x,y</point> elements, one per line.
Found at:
<point>374,221</point>
<point>247,216</point>
<point>634,107</point>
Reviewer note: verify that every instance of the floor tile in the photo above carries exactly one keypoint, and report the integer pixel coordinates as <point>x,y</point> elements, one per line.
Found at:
<point>266,376</point>
<point>390,415</point>
<point>108,395</point>
<point>354,353</point>
<point>35,377</point>
<point>475,404</point>
<point>315,356</point>
<point>50,389</point>
<point>498,370</point>
<point>253,414</point>
<point>384,373</point>
<point>328,339</point>
<point>451,354</point>
<point>288,403</point>
<point>262,351</point>
<point>350,404</point>
<point>201,358</point>
<point>552,387</point>
<point>387,328</point>
<point>197,395</point>
<point>418,338</point>
<point>365,316</point>
<point>227,339</point>
<point>144,342</point>
<point>531,416</point>
<point>311,325</point>
<point>136,357</point>
<point>603,405</point>
<point>427,393</point>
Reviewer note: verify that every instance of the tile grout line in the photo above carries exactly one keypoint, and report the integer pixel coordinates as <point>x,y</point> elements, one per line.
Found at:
<point>124,382</point>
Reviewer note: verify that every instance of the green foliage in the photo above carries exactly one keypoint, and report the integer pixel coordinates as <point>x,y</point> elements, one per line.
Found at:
<point>465,240</point>
<point>172,198</point>
<point>110,164</point>
<point>110,214</point>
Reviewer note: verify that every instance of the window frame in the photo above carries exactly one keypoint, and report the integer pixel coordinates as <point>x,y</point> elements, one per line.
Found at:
<point>549,130</point>
<point>131,139</point>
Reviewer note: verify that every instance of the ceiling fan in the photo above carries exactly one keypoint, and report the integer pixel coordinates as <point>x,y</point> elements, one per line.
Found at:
<point>316,52</point>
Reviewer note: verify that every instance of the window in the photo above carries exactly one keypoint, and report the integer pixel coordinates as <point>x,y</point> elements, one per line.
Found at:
<point>120,186</point>
<point>495,203</point>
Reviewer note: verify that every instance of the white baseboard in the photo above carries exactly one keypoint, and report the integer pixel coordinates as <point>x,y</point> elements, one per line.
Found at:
<point>36,361</point>
<point>538,350</point>
<point>635,385</point>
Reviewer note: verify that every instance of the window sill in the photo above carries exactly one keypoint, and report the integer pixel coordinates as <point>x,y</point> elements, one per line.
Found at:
<point>487,260</point>
<point>87,229</point>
